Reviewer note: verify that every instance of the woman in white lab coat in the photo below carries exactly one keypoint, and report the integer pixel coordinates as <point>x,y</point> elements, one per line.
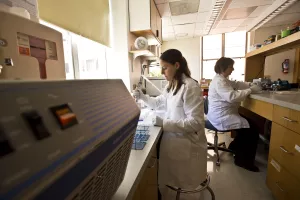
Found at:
<point>183,148</point>
<point>224,99</point>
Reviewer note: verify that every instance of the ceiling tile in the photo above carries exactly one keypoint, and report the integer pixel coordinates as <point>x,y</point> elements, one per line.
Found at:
<point>249,3</point>
<point>222,30</point>
<point>293,9</point>
<point>230,23</point>
<point>199,33</point>
<point>247,21</point>
<point>166,21</point>
<point>187,28</point>
<point>241,28</point>
<point>190,35</point>
<point>258,11</point>
<point>167,29</point>
<point>164,10</point>
<point>184,19</point>
<point>203,16</point>
<point>285,18</point>
<point>205,5</point>
<point>168,37</point>
<point>239,13</point>
<point>200,26</point>
<point>183,7</point>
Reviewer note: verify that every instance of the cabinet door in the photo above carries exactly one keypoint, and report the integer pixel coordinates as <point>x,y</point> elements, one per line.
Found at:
<point>153,12</point>
<point>159,27</point>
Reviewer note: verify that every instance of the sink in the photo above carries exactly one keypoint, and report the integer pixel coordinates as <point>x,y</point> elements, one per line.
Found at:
<point>287,92</point>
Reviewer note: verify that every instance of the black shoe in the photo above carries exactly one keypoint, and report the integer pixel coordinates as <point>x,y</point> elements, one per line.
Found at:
<point>249,167</point>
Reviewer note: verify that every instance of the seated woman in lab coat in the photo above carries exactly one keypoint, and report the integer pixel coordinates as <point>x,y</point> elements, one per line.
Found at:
<point>224,99</point>
<point>183,147</point>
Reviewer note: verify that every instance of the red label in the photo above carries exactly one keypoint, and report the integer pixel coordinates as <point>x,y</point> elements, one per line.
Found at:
<point>24,51</point>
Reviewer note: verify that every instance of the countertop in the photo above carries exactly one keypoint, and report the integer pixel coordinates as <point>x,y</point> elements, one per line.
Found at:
<point>137,164</point>
<point>291,101</point>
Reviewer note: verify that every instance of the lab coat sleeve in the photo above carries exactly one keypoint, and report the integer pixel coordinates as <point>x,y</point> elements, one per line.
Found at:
<point>226,91</point>
<point>193,108</point>
<point>154,102</point>
<point>239,85</point>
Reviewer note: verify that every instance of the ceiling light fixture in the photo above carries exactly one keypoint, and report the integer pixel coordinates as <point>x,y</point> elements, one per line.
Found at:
<point>217,8</point>
<point>277,7</point>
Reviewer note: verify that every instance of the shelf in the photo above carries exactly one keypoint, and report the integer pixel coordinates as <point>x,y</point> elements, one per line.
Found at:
<point>281,45</point>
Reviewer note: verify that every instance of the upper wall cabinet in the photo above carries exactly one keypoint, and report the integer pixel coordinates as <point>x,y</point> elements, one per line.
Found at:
<point>145,20</point>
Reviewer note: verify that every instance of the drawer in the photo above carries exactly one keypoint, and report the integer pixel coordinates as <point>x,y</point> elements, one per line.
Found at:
<point>287,118</point>
<point>285,148</point>
<point>282,184</point>
<point>261,108</point>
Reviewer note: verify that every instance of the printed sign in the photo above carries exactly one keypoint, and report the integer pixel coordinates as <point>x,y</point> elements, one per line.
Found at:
<point>24,51</point>
<point>51,50</point>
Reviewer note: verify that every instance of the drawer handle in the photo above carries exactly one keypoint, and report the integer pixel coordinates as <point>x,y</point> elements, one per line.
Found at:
<point>277,184</point>
<point>289,120</point>
<point>285,151</point>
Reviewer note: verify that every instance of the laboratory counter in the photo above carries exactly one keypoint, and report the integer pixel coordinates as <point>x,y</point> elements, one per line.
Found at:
<point>291,101</point>
<point>137,164</point>
<point>283,111</point>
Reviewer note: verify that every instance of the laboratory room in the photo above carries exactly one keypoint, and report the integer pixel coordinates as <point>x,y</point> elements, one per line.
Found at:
<point>150,100</point>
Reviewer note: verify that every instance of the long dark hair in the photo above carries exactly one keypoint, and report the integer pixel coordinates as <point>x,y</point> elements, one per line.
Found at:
<point>173,56</point>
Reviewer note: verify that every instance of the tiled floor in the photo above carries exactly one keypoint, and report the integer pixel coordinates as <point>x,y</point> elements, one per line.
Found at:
<point>230,182</point>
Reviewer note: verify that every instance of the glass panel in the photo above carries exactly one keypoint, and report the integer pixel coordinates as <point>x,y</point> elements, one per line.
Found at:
<point>155,71</point>
<point>235,44</point>
<point>239,70</point>
<point>209,69</point>
<point>212,46</point>
<point>91,58</point>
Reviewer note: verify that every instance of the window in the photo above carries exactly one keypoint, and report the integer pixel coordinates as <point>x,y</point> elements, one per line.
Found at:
<point>91,58</point>
<point>232,45</point>
<point>212,51</point>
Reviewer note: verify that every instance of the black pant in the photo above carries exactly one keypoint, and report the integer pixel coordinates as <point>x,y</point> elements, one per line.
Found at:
<point>245,144</point>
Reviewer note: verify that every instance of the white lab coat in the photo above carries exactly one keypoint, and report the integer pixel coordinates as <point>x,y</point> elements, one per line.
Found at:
<point>183,149</point>
<point>224,97</point>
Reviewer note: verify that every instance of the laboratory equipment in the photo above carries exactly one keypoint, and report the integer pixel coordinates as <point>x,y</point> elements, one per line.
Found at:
<point>64,139</point>
<point>29,50</point>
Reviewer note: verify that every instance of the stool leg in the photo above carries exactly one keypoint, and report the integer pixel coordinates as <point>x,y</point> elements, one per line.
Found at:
<point>216,148</point>
<point>178,194</point>
<point>211,193</point>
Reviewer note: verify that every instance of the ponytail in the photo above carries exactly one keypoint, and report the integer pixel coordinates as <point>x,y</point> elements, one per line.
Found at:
<point>173,56</point>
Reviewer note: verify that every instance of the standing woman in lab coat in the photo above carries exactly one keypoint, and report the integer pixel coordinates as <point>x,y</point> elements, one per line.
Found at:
<point>224,97</point>
<point>183,148</point>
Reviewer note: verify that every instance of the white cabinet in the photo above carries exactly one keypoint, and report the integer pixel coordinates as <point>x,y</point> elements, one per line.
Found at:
<point>145,20</point>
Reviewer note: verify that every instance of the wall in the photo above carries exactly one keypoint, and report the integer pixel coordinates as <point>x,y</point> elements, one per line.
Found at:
<point>190,49</point>
<point>273,63</point>
<point>117,56</point>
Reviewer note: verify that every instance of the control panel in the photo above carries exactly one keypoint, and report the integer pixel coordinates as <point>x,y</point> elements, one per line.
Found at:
<point>56,134</point>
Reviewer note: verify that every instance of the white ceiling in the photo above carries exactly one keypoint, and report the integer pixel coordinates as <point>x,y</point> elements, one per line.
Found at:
<point>240,15</point>
<point>287,17</point>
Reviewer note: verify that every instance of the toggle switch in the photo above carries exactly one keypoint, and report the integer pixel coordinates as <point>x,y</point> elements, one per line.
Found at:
<point>35,121</point>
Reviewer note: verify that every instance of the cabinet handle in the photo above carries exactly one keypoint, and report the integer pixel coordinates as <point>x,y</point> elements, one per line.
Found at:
<point>289,120</point>
<point>153,165</point>
<point>157,33</point>
<point>277,184</point>
<point>285,151</point>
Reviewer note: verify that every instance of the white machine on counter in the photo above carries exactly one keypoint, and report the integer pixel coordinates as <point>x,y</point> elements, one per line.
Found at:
<point>29,50</point>
<point>64,139</point>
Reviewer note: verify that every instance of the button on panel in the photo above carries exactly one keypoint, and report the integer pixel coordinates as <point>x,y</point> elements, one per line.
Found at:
<point>35,121</point>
